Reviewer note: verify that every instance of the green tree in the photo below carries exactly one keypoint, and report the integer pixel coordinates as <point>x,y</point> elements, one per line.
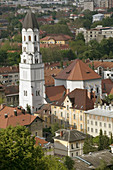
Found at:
<point>17,149</point>
<point>88,145</point>
<point>28,109</point>
<point>80,36</point>
<point>69,163</point>
<point>101,142</point>
<point>54,128</point>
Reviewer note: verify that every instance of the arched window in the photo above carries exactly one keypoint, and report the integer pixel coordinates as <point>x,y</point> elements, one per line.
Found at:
<point>35,38</point>
<point>36,93</point>
<point>29,38</point>
<point>24,38</point>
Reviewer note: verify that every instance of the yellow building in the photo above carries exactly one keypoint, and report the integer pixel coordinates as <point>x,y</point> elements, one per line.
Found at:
<point>69,111</point>
<point>56,39</point>
<point>69,142</point>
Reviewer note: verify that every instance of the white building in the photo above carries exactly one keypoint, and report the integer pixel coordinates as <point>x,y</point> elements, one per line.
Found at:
<point>31,88</point>
<point>98,17</point>
<point>100,118</point>
<point>79,75</point>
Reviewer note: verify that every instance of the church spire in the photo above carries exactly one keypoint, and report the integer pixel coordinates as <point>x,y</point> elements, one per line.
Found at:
<point>30,21</point>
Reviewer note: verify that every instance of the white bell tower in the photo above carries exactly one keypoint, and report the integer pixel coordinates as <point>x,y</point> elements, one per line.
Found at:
<point>31,88</point>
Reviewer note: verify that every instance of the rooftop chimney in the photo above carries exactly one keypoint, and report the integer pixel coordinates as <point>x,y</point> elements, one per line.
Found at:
<point>15,112</point>
<point>61,133</point>
<point>5,115</point>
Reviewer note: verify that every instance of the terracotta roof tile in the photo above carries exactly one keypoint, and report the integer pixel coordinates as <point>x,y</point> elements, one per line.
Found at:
<point>12,119</point>
<point>49,74</point>
<point>77,70</point>
<point>103,64</point>
<point>79,99</point>
<point>107,86</point>
<point>40,141</point>
<point>9,69</point>
<point>57,38</point>
<point>11,89</point>
<point>55,93</point>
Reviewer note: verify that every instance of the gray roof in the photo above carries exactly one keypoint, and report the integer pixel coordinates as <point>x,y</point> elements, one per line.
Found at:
<point>30,21</point>
<point>92,161</point>
<point>100,112</point>
<point>71,135</point>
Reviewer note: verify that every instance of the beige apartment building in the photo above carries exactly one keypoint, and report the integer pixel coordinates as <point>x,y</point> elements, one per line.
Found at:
<point>9,75</point>
<point>69,111</point>
<point>98,118</point>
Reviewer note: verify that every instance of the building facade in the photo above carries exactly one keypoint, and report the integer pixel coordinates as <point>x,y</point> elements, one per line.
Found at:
<point>98,118</point>
<point>31,89</point>
<point>69,143</point>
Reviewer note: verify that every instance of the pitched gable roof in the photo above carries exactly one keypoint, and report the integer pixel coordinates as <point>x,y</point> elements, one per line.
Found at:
<point>77,70</point>
<point>11,119</point>
<point>79,99</point>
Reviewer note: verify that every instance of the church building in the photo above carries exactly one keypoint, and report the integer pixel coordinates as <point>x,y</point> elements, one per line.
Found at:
<point>79,75</point>
<point>31,85</point>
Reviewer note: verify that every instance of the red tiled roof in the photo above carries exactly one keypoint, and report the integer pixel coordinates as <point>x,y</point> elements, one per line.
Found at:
<point>79,99</point>
<point>103,64</point>
<point>107,86</point>
<point>49,73</point>
<point>20,119</point>
<point>9,69</point>
<point>77,70</point>
<point>40,141</point>
<point>57,38</point>
<point>11,89</point>
<point>55,93</point>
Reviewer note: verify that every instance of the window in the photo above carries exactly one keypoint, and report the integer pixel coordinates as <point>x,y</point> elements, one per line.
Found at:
<point>107,74</point>
<point>67,107</point>
<point>72,146</point>
<point>91,129</point>
<point>96,131</point>
<point>74,116</point>
<point>104,132</point>
<point>104,124</point>
<point>76,153</point>
<point>91,122</point>
<point>24,61</point>
<point>81,126</point>
<point>24,49</point>
<point>61,114</point>
<point>61,122</point>
<point>88,129</point>
<point>29,38</point>
<point>36,109</point>
<point>75,125</point>
<point>38,93</point>
<point>80,117</point>
<point>67,115</point>
<point>36,133</point>
<point>45,119</point>
<point>96,123</point>
<point>55,113</point>
<point>87,121</point>
<point>100,124</point>
<point>72,154</point>
<point>77,145</point>
<point>35,38</point>
<point>24,38</point>
<point>109,125</point>
<point>97,90</point>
